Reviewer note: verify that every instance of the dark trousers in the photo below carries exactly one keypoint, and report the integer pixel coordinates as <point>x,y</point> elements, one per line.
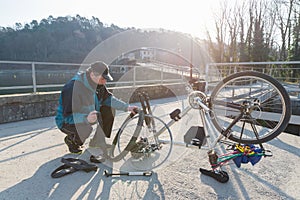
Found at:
<point>78,133</point>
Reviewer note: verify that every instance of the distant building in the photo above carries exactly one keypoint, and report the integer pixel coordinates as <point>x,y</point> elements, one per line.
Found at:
<point>147,54</point>
<point>124,63</point>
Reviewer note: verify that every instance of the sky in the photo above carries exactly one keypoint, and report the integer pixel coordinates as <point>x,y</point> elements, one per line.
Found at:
<point>187,16</point>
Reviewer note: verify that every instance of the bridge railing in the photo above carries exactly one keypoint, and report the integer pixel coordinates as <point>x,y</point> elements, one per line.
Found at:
<point>284,71</point>
<point>288,73</point>
<point>32,77</point>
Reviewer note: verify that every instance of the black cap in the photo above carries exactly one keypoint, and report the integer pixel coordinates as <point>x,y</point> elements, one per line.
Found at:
<point>101,68</point>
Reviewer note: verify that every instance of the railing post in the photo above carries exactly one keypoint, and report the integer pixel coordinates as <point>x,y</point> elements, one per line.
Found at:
<point>299,92</point>
<point>161,75</point>
<point>33,77</point>
<point>206,72</point>
<point>134,75</point>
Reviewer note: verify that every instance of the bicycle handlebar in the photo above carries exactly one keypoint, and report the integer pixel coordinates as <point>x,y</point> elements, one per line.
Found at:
<point>136,111</point>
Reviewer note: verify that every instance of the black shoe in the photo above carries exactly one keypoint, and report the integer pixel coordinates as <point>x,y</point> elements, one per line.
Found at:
<point>73,148</point>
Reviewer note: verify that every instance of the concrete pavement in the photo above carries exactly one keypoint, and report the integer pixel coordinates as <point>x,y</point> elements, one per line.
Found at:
<point>31,150</point>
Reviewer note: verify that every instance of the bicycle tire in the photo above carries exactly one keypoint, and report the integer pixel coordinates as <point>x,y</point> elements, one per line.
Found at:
<point>132,140</point>
<point>250,86</point>
<point>154,151</point>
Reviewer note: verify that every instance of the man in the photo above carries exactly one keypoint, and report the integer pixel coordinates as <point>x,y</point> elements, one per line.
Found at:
<point>84,100</point>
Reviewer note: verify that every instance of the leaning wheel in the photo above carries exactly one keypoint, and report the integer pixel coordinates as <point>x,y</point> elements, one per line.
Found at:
<point>151,148</point>
<point>250,107</point>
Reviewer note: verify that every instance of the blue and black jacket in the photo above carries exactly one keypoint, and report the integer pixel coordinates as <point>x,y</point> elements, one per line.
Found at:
<point>80,96</point>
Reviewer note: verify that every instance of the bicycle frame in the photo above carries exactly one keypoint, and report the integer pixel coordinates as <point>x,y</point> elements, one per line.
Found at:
<point>215,161</point>
<point>207,125</point>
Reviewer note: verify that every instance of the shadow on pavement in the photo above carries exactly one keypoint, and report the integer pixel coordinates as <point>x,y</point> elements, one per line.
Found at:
<point>82,185</point>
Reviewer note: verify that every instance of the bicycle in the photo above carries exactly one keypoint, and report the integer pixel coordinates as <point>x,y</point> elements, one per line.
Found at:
<point>245,109</point>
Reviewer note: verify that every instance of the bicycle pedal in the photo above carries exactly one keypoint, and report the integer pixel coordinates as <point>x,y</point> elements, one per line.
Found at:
<point>175,114</point>
<point>195,136</point>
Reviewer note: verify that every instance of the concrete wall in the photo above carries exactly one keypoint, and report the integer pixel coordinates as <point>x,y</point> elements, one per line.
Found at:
<point>30,106</point>
<point>27,106</point>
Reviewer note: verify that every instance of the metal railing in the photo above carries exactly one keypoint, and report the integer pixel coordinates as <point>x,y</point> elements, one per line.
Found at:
<point>10,70</point>
<point>33,76</point>
<point>284,71</point>
<point>17,76</point>
<point>287,72</point>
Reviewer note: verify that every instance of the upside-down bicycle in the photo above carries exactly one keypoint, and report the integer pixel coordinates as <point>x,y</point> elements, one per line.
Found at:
<point>245,110</point>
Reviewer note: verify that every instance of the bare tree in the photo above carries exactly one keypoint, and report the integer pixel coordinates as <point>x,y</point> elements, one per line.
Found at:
<point>217,48</point>
<point>233,27</point>
<point>284,10</point>
<point>246,31</point>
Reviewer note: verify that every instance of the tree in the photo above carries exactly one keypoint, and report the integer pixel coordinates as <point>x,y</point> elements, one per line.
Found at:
<point>294,51</point>
<point>61,39</point>
<point>284,10</point>
<point>259,48</point>
<point>247,30</point>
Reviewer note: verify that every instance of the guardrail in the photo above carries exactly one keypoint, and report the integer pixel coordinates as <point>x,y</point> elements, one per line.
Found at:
<point>284,71</point>
<point>19,70</point>
<point>17,75</point>
<point>288,73</point>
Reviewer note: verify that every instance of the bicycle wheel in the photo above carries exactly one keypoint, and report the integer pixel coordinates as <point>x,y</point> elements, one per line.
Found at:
<point>250,107</point>
<point>151,148</point>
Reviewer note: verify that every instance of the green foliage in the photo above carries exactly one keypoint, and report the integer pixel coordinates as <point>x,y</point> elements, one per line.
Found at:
<point>259,49</point>
<point>61,39</point>
<point>294,51</point>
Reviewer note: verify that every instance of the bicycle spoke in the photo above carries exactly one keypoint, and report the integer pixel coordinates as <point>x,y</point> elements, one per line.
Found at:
<point>228,104</point>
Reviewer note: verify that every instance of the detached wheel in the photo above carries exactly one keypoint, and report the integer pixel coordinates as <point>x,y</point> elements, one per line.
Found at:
<point>264,102</point>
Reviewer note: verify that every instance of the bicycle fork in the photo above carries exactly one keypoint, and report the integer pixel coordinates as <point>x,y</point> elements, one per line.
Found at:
<point>205,114</point>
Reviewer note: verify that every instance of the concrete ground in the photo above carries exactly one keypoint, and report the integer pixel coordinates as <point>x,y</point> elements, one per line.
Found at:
<point>31,150</point>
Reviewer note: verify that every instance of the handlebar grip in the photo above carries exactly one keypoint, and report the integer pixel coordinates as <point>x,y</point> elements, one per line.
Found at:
<point>136,110</point>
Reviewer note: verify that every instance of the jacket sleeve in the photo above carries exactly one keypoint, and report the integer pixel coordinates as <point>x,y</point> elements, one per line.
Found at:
<point>107,98</point>
<point>115,103</point>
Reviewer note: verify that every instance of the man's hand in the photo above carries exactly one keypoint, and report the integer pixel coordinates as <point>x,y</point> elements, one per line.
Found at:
<point>133,109</point>
<point>92,117</point>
